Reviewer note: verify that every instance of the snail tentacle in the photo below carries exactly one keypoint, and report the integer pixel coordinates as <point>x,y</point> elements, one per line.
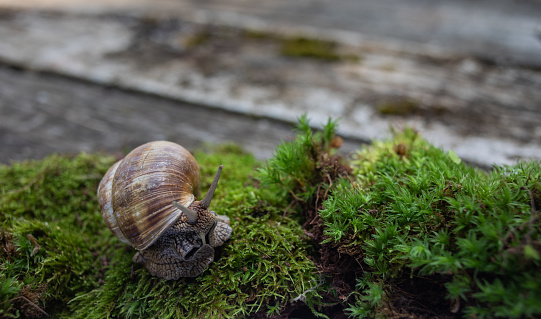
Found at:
<point>208,198</point>
<point>192,216</point>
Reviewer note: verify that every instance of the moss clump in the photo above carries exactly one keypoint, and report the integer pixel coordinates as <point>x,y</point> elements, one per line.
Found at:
<point>255,270</point>
<point>414,210</point>
<point>304,170</point>
<point>299,166</point>
<point>58,257</point>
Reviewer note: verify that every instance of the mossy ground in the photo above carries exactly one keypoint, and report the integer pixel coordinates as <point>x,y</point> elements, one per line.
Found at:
<point>402,229</point>
<point>58,257</point>
<point>435,236</point>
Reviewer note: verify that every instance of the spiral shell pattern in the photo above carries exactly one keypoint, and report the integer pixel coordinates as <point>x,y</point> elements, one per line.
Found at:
<point>135,195</point>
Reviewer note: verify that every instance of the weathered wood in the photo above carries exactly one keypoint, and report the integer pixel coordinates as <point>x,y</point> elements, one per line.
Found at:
<point>41,114</point>
<point>501,30</point>
<point>487,112</point>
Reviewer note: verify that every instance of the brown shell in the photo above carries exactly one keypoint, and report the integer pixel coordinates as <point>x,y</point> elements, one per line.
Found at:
<point>135,195</point>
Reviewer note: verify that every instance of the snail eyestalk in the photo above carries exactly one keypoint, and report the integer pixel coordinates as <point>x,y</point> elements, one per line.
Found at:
<point>192,216</point>
<point>206,201</point>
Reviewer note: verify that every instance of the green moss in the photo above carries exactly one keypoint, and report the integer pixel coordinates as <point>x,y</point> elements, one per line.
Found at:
<point>253,270</point>
<point>52,243</point>
<point>310,48</point>
<point>400,107</point>
<point>86,271</point>
<point>297,166</point>
<point>416,210</point>
<point>289,46</point>
<point>407,213</point>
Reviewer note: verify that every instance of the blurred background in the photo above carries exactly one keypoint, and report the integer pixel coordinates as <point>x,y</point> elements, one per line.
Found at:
<point>112,74</point>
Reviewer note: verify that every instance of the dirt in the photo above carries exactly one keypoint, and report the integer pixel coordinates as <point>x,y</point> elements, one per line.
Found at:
<point>7,246</point>
<point>28,301</point>
<point>422,297</point>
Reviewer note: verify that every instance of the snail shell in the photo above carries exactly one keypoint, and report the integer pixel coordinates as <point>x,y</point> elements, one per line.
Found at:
<point>137,192</point>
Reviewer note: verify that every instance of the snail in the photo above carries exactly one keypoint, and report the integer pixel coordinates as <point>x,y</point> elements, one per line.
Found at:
<point>148,200</point>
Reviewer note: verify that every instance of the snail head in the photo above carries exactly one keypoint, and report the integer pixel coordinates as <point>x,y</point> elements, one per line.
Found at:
<point>201,219</point>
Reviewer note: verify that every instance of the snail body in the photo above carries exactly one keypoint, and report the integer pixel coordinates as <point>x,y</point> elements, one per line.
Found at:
<point>148,200</point>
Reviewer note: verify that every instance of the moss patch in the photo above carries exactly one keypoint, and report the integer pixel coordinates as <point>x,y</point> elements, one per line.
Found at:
<point>403,229</point>
<point>289,46</point>
<point>421,233</point>
<point>418,216</point>
<point>310,48</point>
<point>58,257</point>
<point>52,233</point>
<point>399,107</point>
